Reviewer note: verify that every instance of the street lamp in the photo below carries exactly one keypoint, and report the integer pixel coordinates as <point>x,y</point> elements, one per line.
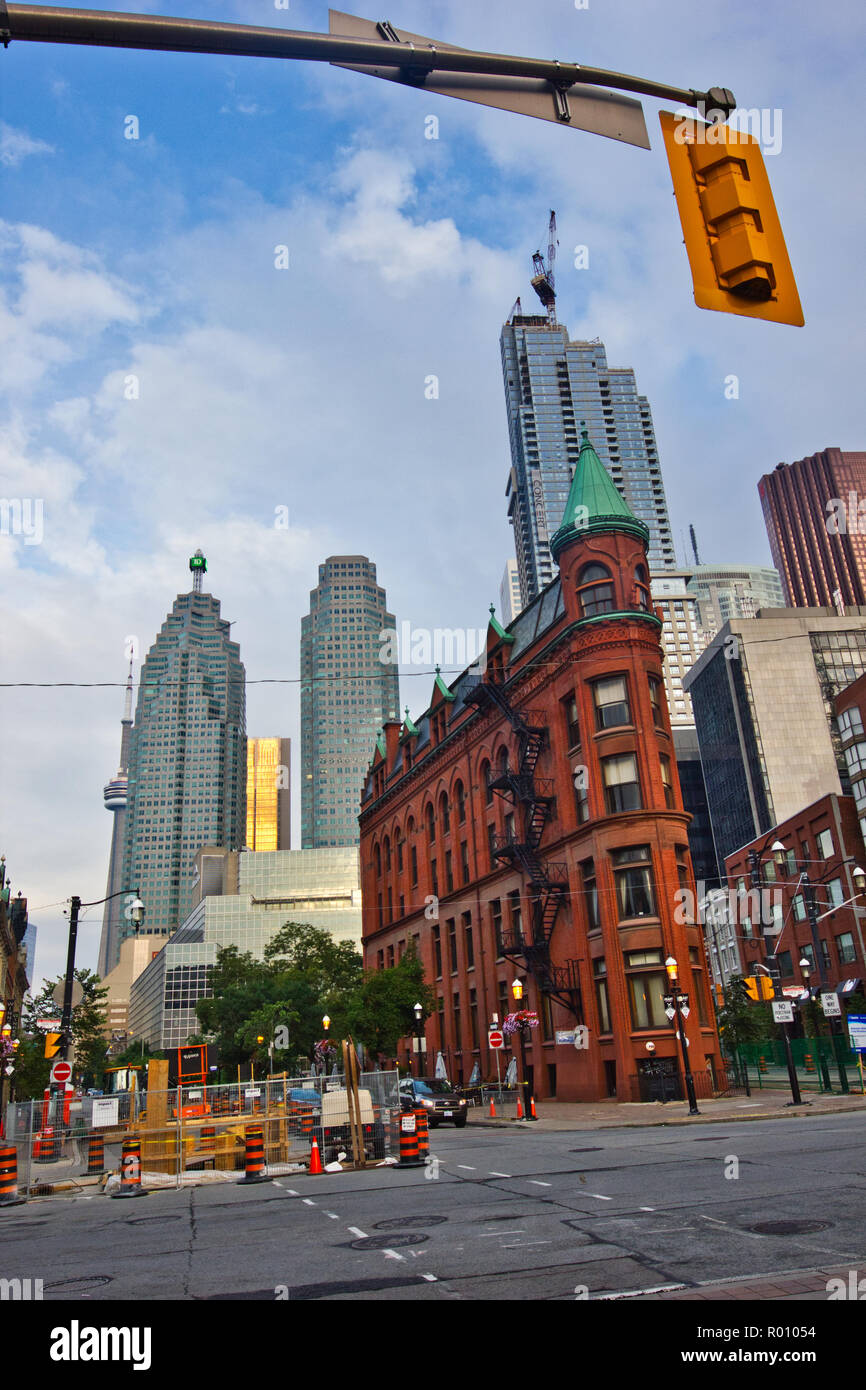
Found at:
<point>418,1010</point>
<point>806,971</point>
<point>680,1003</point>
<point>517,991</point>
<point>777,849</point>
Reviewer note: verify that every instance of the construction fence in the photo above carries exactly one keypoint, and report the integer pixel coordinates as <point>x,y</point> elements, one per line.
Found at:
<point>198,1133</point>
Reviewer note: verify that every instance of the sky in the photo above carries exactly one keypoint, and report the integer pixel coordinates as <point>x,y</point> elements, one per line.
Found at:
<point>167,384</point>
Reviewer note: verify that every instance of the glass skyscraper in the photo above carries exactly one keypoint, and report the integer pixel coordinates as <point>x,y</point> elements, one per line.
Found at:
<point>268,794</point>
<point>187,756</point>
<point>347,693</point>
<point>551,386</point>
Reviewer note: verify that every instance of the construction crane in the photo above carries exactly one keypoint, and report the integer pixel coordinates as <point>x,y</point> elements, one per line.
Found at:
<point>543,280</point>
<point>515,310</point>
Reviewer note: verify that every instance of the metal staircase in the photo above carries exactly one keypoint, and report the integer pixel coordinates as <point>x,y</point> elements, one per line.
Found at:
<point>547,884</point>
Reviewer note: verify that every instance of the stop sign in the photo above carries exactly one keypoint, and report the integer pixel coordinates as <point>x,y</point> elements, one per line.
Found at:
<point>61,1071</point>
<point>495,1038</point>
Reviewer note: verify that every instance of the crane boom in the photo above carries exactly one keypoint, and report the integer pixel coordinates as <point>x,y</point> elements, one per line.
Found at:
<point>543,281</point>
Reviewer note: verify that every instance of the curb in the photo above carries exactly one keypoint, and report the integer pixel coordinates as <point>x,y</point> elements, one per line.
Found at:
<point>689,1120</point>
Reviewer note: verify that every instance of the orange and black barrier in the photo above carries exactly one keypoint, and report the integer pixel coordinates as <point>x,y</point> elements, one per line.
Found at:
<point>95,1155</point>
<point>410,1151</point>
<point>208,1137</point>
<point>130,1170</point>
<point>254,1155</point>
<point>423,1135</point>
<point>46,1146</point>
<point>9,1177</point>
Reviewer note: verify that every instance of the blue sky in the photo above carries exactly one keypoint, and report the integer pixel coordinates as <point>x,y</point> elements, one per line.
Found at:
<point>304,388</point>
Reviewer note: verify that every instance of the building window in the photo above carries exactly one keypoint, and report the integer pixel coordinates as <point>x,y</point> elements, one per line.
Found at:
<point>646,991</point>
<point>824,841</point>
<point>496,919</point>
<point>504,1005</point>
<point>581,797</point>
<point>486,780</point>
<point>667,782</point>
<point>460,797</point>
<point>634,882</point>
<point>599,972</point>
<point>473,1017</point>
<point>449,873</point>
<point>572,723</point>
<point>516,916</point>
<point>590,894</point>
<point>641,591</point>
<point>835,893</point>
<point>621,785</point>
<point>845,948</point>
<point>458,1039</point>
<point>431,823</point>
<point>452,943</point>
<point>445,814</point>
<point>468,944</point>
<point>595,591</point>
<point>464,860</point>
<point>799,908</point>
<point>413,866</point>
<point>491,837</point>
<point>390,957</point>
<point>611,703</point>
<point>655,694</point>
<point>434,878</point>
<point>437,952</point>
<point>786,965</point>
<point>849,723</point>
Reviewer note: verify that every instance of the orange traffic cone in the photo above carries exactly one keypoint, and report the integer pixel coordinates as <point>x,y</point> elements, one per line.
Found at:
<point>492,1109</point>
<point>519,1107</point>
<point>315,1158</point>
<point>532,1114</point>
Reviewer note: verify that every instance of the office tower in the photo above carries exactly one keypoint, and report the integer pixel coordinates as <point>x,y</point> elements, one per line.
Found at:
<point>580,904</point>
<point>509,594</point>
<point>114,796</point>
<point>762,694</point>
<point>733,591</point>
<point>551,386</point>
<point>349,687</point>
<point>268,793</point>
<point>187,756</point>
<point>683,638</point>
<point>812,511</point>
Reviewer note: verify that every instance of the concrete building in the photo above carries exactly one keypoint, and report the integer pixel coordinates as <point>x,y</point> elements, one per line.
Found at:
<point>136,952</point>
<point>349,687</point>
<point>531,822</point>
<point>815,514</point>
<point>114,796</point>
<point>269,824</point>
<point>187,756</point>
<point>509,593</point>
<point>241,900</point>
<point>553,386</point>
<point>683,639</point>
<point>733,591</point>
<point>762,695</point>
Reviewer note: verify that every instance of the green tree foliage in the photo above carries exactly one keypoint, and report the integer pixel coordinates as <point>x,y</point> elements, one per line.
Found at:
<point>89,1021</point>
<point>741,1020</point>
<point>381,1010</point>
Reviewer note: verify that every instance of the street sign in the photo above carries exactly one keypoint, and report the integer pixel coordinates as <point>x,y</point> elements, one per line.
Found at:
<point>831,1006</point>
<point>857,1031</point>
<point>61,1071</point>
<point>565,1036</point>
<point>783,1011</point>
<point>670,1010</point>
<point>48,1025</point>
<point>77,993</point>
<point>495,1039</point>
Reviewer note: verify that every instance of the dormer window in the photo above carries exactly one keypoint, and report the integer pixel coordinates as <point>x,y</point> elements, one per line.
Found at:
<point>641,590</point>
<point>595,591</point>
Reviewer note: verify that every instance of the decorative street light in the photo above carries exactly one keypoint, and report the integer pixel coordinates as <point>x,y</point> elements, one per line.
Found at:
<point>418,1010</point>
<point>523,1028</point>
<point>806,971</point>
<point>680,1004</point>
<point>777,849</point>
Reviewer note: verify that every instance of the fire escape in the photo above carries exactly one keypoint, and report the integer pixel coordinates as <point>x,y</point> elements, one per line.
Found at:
<point>546,883</point>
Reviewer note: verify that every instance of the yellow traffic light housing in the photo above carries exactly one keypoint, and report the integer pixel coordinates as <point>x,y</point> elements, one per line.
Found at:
<point>733,236</point>
<point>53,1043</point>
<point>751,987</point>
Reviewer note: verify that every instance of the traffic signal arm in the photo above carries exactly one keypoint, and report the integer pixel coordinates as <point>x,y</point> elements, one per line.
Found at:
<point>731,229</point>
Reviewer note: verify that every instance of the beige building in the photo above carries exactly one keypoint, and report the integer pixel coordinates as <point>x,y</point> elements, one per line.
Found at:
<point>682,638</point>
<point>136,952</point>
<point>762,695</point>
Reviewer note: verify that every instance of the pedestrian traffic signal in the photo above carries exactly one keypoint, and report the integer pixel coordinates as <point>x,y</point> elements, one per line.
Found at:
<point>759,987</point>
<point>53,1043</point>
<point>731,229</point>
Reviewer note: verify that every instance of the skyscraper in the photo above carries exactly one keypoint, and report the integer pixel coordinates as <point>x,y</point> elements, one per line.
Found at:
<point>268,793</point>
<point>817,536</point>
<point>552,385</point>
<point>733,591</point>
<point>347,693</point>
<point>114,796</point>
<point>509,593</point>
<point>187,755</point>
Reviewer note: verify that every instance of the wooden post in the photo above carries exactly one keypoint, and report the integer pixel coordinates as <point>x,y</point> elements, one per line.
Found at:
<point>350,1068</point>
<point>156,1151</point>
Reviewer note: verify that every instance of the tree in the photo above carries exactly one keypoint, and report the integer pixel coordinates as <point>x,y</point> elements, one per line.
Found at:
<point>381,1010</point>
<point>89,1021</point>
<point>741,1020</point>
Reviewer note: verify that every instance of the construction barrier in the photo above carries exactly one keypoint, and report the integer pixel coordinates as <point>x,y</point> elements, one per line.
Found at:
<point>410,1149</point>
<point>254,1157</point>
<point>96,1155</point>
<point>130,1170</point>
<point>9,1177</point>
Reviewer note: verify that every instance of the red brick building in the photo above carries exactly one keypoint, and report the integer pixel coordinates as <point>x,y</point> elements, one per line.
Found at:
<point>530,825</point>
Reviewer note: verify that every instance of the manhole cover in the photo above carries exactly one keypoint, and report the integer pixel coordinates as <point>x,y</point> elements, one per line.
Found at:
<point>83,1281</point>
<point>388,1242</point>
<point>402,1223</point>
<point>788,1228</point>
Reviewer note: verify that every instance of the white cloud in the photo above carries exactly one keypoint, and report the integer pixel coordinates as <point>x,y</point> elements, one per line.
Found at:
<point>17,145</point>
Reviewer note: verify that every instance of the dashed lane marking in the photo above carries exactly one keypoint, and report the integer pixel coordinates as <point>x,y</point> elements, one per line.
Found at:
<point>308,1201</point>
<point>599,1197</point>
<point>333,1215</point>
<point>536,1183</point>
<point>431,1278</point>
<point>467,1166</point>
<point>362,1235</point>
<point>500,1175</point>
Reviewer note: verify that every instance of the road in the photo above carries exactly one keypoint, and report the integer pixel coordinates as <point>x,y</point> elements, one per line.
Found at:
<point>503,1214</point>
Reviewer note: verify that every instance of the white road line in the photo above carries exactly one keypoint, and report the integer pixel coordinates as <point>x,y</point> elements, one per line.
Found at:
<point>646,1208</point>
<point>535,1183</point>
<point>519,1232</point>
<point>431,1278</point>
<point>291,1191</point>
<point>362,1235</point>
<point>524,1244</point>
<point>277,1184</point>
<point>714,1219</point>
<point>467,1166</point>
<point>392,1255</point>
<point>500,1175</point>
<point>333,1215</point>
<point>598,1196</point>
<point>308,1202</point>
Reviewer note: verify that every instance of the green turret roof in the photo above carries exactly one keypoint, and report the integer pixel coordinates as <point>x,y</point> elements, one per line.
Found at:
<point>408,725</point>
<point>594,502</point>
<point>498,628</point>
<point>442,687</point>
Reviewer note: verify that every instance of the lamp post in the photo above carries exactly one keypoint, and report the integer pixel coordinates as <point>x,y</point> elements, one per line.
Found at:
<point>806,971</point>
<point>326,1023</point>
<point>419,1032</point>
<point>777,849</point>
<point>680,1003</point>
<point>517,991</point>
<point>809,885</point>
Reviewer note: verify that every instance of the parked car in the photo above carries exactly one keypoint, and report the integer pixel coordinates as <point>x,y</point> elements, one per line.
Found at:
<point>439,1099</point>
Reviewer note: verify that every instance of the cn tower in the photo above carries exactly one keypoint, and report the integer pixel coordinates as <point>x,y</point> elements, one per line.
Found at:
<point>115,798</point>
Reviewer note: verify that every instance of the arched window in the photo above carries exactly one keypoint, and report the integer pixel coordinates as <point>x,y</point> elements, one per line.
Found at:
<point>503,761</point>
<point>595,590</point>
<point>431,823</point>
<point>460,798</point>
<point>485,782</point>
<point>641,589</point>
<point>445,814</point>
<point>387,854</point>
<point>378,858</point>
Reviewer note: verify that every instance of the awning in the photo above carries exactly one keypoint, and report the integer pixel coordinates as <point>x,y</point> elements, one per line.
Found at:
<point>848,986</point>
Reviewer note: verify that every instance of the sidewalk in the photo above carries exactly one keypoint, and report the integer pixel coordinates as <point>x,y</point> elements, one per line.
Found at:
<point>611,1114</point>
<point>798,1286</point>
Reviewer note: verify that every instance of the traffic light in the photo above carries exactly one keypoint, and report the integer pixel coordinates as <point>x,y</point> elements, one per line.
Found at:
<point>53,1043</point>
<point>759,987</point>
<point>733,236</point>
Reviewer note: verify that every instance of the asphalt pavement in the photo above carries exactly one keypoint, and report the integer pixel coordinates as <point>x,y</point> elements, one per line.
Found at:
<point>499,1214</point>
